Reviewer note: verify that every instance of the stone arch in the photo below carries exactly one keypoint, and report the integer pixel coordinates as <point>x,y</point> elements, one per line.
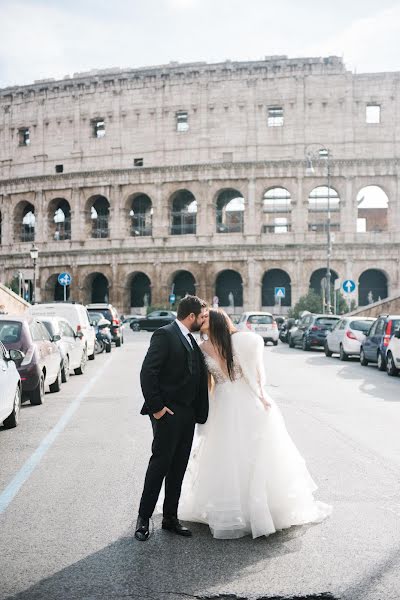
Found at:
<point>59,218</point>
<point>140,290</point>
<point>140,209</point>
<point>277,210</point>
<point>183,206</point>
<point>97,287</point>
<point>98,211</point>
<point>372,209</point>
<point>372,286</point>
<point>229,289</point>
<point>318,284</point>
<point>24,221</point>
<point>183,282</point>
<point>318,209</point>
<point>272,279</point>
<point>229,204</point>
<point>53,291</point>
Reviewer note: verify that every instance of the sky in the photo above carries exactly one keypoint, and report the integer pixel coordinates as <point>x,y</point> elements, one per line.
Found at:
<point>41,39</point>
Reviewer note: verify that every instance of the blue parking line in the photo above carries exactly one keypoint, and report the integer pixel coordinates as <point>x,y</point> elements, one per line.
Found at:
<point>32,462</point>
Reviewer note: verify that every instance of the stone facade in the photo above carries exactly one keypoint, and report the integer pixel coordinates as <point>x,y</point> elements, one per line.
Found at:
<point>123,153</point>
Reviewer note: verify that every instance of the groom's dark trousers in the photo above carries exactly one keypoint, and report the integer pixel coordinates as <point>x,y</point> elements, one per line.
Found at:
<point>174,375</point>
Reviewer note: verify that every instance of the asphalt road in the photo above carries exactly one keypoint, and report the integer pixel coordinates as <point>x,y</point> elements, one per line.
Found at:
<point>67,532</point>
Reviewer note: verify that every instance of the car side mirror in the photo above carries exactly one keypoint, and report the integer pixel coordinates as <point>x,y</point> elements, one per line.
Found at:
<point>56,338</point>
<point>15,355</point>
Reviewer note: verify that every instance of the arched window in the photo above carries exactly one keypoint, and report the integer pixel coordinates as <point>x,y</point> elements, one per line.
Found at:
<point>141,215</point>
<point>277,210</point>
<point>320,200</point>
<point>140,291</point>
<point>60,219</point>
<point>372,209</point>
<point>99,288</point>
<point>53,291</point>
<point>24,222</point>
<point>229,290</point>
<point>372,287</point>
<point>183,283</point>
<point>318,283</point>
<point>276,288</point>
<point>183,213</point>
<point>99,215</point>
<point>229,212</point>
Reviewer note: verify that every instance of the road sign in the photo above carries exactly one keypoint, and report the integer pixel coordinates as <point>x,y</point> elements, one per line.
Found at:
<point>349,286</point>
<point>172,298</point>
<point>280,292</point>
<point>64,279</point>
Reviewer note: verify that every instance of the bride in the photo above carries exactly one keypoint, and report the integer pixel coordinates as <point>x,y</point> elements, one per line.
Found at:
<point>245,475</point>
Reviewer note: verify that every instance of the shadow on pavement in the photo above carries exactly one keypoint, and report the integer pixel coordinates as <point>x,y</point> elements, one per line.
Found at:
<point>165,566</point>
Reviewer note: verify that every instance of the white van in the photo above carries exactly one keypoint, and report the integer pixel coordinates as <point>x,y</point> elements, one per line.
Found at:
<point>76,314</point>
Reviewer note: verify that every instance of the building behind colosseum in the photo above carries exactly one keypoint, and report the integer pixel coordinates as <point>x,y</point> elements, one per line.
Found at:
<point>193,178</point>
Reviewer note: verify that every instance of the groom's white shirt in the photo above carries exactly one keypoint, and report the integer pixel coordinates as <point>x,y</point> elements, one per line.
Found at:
<point>185,331</point>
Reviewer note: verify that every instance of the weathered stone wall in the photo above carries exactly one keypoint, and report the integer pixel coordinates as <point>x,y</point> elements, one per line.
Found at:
<point>228,145</point>
<point>10,303</point>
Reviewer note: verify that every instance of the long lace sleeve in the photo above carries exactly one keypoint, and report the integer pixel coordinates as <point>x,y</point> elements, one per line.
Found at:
<point>249,351</point>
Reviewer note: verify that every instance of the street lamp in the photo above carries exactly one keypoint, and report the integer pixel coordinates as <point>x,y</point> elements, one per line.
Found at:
<point>34,252</point>
<point>324,153</point>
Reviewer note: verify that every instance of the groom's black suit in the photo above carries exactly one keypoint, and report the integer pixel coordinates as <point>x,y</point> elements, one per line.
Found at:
<point>174,375</point>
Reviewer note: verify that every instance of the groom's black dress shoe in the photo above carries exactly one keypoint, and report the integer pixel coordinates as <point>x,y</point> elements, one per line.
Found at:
<point>173,524</point>
<point>142,529</point>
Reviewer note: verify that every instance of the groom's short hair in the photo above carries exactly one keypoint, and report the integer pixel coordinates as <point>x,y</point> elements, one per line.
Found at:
<point>190,304</point>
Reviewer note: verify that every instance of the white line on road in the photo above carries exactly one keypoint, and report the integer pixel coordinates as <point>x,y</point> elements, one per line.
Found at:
<point>32,462</point>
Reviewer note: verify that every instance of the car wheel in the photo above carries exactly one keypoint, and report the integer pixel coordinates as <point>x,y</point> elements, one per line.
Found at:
<point>98,346</point>
<point>391,368</point>
<point>108,348</point>
<point>290,342</point>
<point>65,370</point>
<point>363,360</point>
<point>135,326</point>
<point>328,353</point>
<point>304,344</point>
<point>36,396</point>
<point>56,386</point>
<point>13,419</point>
<point>381,362</point>
<point>275,343</point>
<point>92,356</point>
<point>81,369</point>
<point>118,342</point>
<point>342,353</point>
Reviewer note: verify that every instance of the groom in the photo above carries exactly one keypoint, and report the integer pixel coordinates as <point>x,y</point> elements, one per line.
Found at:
<point>175,389</point>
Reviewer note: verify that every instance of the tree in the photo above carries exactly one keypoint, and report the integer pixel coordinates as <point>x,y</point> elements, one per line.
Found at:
<point>311,302</point>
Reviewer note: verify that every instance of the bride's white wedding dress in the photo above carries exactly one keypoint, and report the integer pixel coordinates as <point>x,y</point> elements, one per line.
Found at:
<point>245,475</point>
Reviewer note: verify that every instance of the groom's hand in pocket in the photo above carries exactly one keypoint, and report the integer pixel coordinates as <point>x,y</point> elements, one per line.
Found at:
<point>158,415</point>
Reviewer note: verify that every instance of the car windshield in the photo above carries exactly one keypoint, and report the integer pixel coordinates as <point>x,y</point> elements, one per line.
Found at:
<point>10,331</point>
<point>363,326</point>
<point>106,312</point>
<point>260,319</point>
<point>326,322</point>
<point>395,325</point>
<point>95,317</point>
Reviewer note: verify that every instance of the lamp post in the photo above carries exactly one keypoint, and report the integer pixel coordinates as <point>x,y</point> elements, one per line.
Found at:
<point>34,252</point>
<point>324,153</point>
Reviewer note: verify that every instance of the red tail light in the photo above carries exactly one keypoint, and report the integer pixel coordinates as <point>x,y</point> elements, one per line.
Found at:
<point>315,328</point>
<point>350,335</point>
<point>78,328</point>
<point>115,321</point>
<point>274,326</point>
<point>387,336</point>
<point>248,324</point>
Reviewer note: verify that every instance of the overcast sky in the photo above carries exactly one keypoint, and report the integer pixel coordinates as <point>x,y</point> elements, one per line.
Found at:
<point>53,38</point>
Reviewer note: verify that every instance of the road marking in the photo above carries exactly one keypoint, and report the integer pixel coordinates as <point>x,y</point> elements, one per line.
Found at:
<point>9,493</point>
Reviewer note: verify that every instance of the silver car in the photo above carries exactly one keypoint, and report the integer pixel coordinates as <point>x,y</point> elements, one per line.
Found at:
<point>10,387</point>
<point>262,323</point>
<point>70,345</point>
<point>346,337</point>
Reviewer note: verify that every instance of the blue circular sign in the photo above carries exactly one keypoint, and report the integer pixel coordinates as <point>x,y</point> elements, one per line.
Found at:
<point>349,286</point>
<point>64,279</point>
<point>172,298</point>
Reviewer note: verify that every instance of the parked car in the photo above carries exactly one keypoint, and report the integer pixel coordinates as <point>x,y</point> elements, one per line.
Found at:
<point>312,331</point>
<point>10,387</point>
<point>374,346</point>
<point>285,329</point>
<point>154,320</point>
<point>110,313</point>
<point>41,363</point>
<point>262,323</point>
<point>127,320</point>
<point>70,345</point>
<point>346,336</point>
<point>76,314</point>
<point>393,354</point>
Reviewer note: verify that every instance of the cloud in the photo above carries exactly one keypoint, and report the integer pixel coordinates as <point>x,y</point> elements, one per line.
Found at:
<point>179,5</point>
<point>368,44</point>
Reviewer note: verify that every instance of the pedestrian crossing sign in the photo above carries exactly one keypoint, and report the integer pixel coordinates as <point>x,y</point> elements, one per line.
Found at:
<point>280,292</point>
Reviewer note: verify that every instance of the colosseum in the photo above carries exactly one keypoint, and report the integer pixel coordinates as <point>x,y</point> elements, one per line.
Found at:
<point>231,180</point>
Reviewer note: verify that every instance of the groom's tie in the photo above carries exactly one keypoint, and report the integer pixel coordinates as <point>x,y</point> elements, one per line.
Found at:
<point>192,341</point>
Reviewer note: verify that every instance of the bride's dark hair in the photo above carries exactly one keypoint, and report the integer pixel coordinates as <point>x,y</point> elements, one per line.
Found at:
<point>219,334</point>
